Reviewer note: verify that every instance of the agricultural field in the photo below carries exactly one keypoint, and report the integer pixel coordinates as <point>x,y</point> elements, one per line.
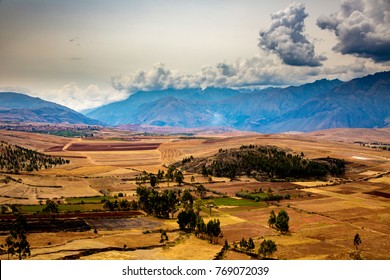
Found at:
<point>324,214</point>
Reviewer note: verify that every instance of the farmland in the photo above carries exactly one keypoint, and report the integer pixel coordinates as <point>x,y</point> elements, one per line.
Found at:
<point>325,213</point>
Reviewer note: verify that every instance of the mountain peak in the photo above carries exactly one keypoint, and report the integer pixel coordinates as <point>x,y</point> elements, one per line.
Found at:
<point>18,107</point>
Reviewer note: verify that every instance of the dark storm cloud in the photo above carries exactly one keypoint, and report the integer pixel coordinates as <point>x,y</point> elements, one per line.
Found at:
<point>362,28</point>
<point>285,37</point>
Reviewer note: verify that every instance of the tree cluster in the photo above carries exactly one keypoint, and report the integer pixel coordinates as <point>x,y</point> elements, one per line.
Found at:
<point>14,159</point>
<point>120,205</point>
<point>191,221</point>
<point>268,162</point>
<point>159,204</point>
<point>281,222</point>
<point>172,174</point>
<point>247,246</point>
<point>16,243</point>
<point>267,248</point>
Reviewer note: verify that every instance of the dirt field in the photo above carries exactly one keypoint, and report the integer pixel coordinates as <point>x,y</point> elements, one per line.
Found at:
<point>324,215</point>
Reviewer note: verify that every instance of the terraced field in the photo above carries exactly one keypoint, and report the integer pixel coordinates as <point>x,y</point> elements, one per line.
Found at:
<point>324,215</point>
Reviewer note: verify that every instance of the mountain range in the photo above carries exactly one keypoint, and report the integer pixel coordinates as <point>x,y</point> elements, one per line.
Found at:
<point>362,102</point>
<point>323,104</point>
<point>17,107</point>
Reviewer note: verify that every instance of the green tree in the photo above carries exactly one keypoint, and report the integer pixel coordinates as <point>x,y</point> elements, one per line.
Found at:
<point>153,180</point>
<point>179,178</point>
<point>187,220</point>
<point>282,221</point>
<point>51,208</point>
<point>214,230</point>
<point>8,246</point>
<point>201,190</point>
<point>169,175</point>
<point>243,244</point>
<point>163,236</point>
<point>198,204</point>
<point>108,205</point>
<point>356,254</point>
<point>187,199</point>
<point>357,241</point>
<point>251,244</point>
<point>272,219</point>
<point>16,242</point>
<point>267,248</point>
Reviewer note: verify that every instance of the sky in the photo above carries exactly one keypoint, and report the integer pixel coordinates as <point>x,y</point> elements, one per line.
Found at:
<point>85,53</point>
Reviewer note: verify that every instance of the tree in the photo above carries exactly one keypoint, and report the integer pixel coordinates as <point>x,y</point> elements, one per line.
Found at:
<point>201,190</point>
<point>50,208</point>
<point>357,241</point>
<point>198,204</point>
<point>179,178</point>
<point>214,230</point>
<point>272,219</point>
<point>153,180</point>
<point>169,174</point>
<point>243,244</point>
<point>267,248</point>
<point>282,221</point>
<point>8,246</point>
<point>356,254</point>
<point>164,236</point>
<point>187,199</point>
<point>108,205</point>
<point>251,244</point>
<point>187,220</point>
<point>16,242</point>
<point>160,175</point>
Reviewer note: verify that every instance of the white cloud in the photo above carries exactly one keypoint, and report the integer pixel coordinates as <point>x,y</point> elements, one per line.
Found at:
<point>259,70</point>
<point>362,28</point>
<point>285,38</point>
<point>72,96</point>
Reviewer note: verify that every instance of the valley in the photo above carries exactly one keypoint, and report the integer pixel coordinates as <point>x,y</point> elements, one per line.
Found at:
<point>325,213</point>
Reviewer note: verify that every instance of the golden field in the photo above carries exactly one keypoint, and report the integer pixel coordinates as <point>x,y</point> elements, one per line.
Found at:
<point>324,215</point>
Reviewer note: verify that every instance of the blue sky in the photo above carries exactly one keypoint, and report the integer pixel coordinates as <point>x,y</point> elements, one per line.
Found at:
<point>86,53</point>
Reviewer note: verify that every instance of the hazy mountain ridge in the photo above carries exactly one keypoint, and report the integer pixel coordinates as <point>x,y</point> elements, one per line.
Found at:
<point>323,104</point>
<point>18,107</point>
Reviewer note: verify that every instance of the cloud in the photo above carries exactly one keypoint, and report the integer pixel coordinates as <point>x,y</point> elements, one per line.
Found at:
<point>262,69</point>
<point>362,28</point>
<point>72,96</point>
<point>285,38</point>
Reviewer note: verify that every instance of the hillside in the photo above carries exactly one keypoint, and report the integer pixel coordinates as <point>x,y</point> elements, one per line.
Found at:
<point>323,104</point>
<point>262,163</point>
<point>14,159</point>
<point>17,107</point>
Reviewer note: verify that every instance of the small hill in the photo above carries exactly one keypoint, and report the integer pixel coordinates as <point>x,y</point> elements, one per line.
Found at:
<point>263,163</point>
<point>17,107</point>
<point>14,159</point>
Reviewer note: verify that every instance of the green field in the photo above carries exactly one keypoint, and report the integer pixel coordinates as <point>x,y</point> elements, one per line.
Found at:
<point>228,201</point>
<point>85,200</point>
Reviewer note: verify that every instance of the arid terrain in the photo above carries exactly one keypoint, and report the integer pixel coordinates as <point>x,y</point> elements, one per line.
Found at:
<point>324,215</point>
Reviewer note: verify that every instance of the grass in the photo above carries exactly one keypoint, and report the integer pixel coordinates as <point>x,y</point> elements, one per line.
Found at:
<point>85,200</point>
<point>228,201</point>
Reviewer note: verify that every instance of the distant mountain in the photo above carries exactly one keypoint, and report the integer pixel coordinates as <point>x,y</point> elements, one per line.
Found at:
<point>136,109</point>
<point>17,107</point>
<point>359,103</point>
<point>324,104</point>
